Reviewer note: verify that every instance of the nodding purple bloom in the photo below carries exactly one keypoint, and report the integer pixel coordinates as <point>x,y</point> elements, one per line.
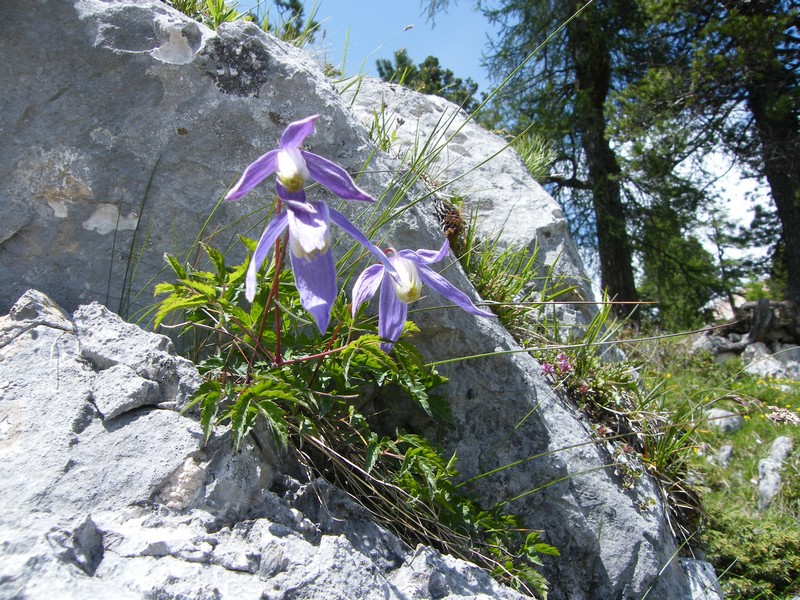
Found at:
<point>397,292</point>
<point>308,222</point>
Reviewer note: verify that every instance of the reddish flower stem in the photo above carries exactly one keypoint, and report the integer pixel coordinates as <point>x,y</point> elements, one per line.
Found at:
<point>325,353</point>
<point>273,293</point>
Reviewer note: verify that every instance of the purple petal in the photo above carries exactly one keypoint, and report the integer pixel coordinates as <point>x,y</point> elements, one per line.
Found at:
<point>271,232</point>
<point>287,196</point>
<point>334,177</point>
<point>297,131</point>
<point>310,228</point>
<point>427,257</point>
<point>391,315</point>
<point>294,200</point>
<point>355,233</point>
<point>366,285</point>
<point>440,285</point>
<point>315,280</point>
<point>254,174</point>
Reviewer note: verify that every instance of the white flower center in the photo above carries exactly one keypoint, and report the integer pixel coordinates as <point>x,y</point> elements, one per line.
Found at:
<point>409,288</point>
<point>292,169</point>
<point>310,251</point>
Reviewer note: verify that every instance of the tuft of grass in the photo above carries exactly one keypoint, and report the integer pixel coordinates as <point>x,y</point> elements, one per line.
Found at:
<point>290,25</point>
<point>536,152</point>
<point>517,285</point>
<point>209,12</point>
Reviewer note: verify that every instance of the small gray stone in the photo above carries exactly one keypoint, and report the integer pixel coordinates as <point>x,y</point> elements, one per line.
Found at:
<point>769,471</point>
<point>724,420</point>
<point>759,361</point>
<point>32,310</point>
<point>106,340</point>
<point>703,581</point>
<point>724,455</point>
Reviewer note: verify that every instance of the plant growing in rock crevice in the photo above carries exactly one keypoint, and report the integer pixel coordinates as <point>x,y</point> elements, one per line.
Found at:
<point>264,362</point>
<point>313,402</point>
<point>631,417</point>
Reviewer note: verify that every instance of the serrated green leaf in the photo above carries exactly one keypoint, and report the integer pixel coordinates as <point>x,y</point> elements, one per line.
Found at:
<point>546,549</point>
<point>209,291</point>
<point>238,415</point>
<point>217,260</point>
<point>237,275</point>
<point>372,452</point>
<point>209,407</point>
<point>208,395</point>
<point>175,265</point>
<point>275,417</point>
<point>165,288</point>
<point>176,304</point>
<point>249,243</point>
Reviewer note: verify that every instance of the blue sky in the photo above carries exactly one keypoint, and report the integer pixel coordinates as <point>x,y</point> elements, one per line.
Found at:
<point>378,28</point>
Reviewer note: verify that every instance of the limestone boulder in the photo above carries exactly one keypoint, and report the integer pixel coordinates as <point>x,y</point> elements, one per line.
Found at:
<point>129,503</point>
<point>123,133</point>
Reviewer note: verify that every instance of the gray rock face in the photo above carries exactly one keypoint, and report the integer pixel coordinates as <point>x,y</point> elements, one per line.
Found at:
<point>125,503</point>
<point>126,130</point>
<point>120,144</point>
<point>476,166</point>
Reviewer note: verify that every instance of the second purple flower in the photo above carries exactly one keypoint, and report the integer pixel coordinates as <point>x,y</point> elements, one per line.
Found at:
<point>397,292</point>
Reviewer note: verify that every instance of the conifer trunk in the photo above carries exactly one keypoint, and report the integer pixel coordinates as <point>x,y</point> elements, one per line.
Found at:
<point>769,88</point>
<point>592,64</point>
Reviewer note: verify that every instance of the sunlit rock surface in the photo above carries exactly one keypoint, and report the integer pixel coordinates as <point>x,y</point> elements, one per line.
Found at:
<point>131,504</point>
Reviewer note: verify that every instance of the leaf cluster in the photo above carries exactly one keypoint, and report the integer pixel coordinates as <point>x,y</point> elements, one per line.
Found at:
<point>315,396</point>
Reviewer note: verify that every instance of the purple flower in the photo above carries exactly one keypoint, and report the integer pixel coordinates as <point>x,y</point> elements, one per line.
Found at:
<point>547,369</point>
<point>397,292</point>
<point>308,222</point>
